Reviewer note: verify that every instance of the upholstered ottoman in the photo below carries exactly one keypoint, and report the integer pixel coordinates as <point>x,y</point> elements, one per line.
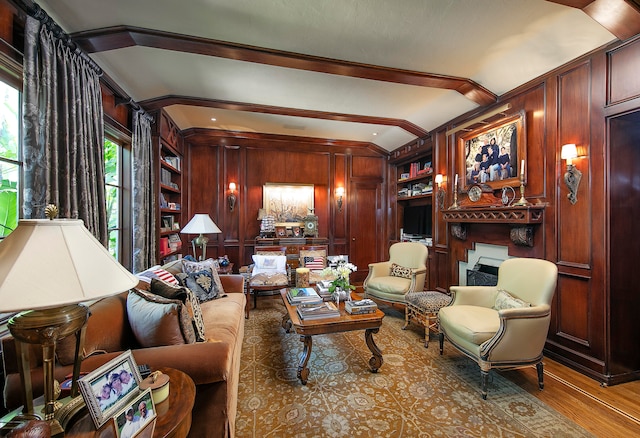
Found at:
<point>423,307</point>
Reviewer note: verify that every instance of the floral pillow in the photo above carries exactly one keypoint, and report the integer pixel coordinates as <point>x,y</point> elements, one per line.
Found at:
<point>400,271</point>
<point>504,300</point>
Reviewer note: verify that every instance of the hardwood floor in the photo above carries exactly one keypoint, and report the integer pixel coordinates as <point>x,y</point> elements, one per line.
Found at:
<point>612,411</point>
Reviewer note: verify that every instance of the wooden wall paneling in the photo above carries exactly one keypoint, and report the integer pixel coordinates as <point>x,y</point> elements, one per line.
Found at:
<point>231,173</point>
<point>338,231</point>
<point>624,64</point>
<point>365,219</point>
<point>574,242</point>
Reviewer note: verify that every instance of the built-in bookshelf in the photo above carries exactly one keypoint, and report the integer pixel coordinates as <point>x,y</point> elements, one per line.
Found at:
<point>169,203</point>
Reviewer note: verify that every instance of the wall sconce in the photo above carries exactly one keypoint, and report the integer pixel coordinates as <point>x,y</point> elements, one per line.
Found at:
<point>232,196</point>
<point>440,193</point>
<point>572,176</point>
<point>339,196</point>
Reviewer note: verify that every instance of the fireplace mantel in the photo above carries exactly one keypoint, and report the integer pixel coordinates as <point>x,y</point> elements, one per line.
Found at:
<point>521,219</point>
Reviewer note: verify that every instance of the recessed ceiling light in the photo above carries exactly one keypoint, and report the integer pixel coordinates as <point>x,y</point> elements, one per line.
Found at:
<point>213,119</point>
<point>375,133</point>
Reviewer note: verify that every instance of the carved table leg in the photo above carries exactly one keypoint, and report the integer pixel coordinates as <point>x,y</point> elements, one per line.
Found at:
<point>303,371</point>
<point>376,360</point>
<point>286,323</point>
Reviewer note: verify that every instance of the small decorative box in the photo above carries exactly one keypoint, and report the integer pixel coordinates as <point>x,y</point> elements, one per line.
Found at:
<point>159,384</point>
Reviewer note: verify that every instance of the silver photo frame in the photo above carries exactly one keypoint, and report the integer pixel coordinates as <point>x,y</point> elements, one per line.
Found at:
<point>109,388</point>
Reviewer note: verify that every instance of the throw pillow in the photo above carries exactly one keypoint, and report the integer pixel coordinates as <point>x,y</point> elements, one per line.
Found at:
<point>504,300</point>
<point>188,298</point>
<point>157,321</point>
<point>201,283</point>
<point>269,264</point>
<point>157,272</point>
<point>211,264</point>
<point>400,271</point>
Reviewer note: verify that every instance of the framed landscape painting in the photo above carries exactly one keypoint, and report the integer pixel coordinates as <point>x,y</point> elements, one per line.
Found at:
<point>493,154</point>
<point>288,203</point>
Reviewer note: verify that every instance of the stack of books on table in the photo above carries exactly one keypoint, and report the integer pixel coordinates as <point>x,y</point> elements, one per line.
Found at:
<point>321,310</point>
<point>360,307</point>
<point>323,289</point>
<point>303,295</point>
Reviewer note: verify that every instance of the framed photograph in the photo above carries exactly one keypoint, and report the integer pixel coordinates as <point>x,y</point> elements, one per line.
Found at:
<point>493,154</point>
<point>297,231</point>
<point>107,389</point>
<point>287,202</point>
<point>135,415</point>
<point>281,231</point>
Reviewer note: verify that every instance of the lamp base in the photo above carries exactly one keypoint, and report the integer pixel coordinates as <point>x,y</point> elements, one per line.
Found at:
<point>46,327</point>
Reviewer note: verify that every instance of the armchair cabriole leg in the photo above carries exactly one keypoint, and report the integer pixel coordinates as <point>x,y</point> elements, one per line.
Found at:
<point>540,369</point>
<point>441,339</point>
<point>484,377</point>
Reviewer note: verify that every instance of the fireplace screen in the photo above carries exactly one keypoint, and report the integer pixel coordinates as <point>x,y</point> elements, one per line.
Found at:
<point>482,275</point>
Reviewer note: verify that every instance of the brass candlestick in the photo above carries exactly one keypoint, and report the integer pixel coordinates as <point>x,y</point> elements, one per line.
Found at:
<point>455,196</point>
<point>522,201</point>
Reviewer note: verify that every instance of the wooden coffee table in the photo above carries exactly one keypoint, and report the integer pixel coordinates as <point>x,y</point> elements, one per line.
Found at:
<point>370,323</point>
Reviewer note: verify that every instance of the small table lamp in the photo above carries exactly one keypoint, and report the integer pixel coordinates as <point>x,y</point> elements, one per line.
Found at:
<point>48,267</point>
<point>200,224</point>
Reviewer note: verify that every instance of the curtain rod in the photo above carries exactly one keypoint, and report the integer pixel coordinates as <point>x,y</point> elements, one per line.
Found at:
<point>34,10</point>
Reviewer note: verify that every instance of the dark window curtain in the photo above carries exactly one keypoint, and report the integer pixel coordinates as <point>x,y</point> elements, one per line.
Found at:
<point>144,240</point>
<point>63,131</point>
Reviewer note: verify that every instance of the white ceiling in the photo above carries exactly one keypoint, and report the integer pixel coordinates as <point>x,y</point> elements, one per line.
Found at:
<point>498,44</point>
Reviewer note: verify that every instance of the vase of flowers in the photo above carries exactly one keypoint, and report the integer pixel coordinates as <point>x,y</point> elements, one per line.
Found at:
<point>340,287</point>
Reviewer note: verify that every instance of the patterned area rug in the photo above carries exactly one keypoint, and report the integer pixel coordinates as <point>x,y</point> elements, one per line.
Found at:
<point>416,392</point>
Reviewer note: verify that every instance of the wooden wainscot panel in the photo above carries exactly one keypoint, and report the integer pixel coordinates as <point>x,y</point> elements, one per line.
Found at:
<point>368,167</point>
<point>624,65</point>
<point>572,310</point>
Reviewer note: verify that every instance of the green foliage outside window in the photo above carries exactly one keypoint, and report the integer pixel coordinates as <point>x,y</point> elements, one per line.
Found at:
<point>112,192</point>
<point>9,158</point>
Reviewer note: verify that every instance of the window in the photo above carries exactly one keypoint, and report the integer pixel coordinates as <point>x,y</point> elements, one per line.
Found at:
<point>113,195</point>
<point>10,158</point>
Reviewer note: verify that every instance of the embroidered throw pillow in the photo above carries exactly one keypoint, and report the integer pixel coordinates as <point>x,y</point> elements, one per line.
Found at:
<point>188,298</point>
<point>504,300</point>
<point>400,271</point>
<point>201,283</point>
<point>210,264</point>
<point>269,264</point>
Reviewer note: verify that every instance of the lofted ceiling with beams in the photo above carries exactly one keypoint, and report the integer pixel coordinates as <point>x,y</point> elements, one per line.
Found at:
<point>373,71</point>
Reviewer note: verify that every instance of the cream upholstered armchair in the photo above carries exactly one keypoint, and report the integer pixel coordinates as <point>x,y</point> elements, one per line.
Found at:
<point>503,326</point>
<point>405,271</point>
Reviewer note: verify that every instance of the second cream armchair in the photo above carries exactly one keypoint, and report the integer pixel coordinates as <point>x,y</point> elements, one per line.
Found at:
<point>404,272</point>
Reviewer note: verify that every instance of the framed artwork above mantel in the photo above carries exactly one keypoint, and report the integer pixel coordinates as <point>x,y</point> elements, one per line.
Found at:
<point>493,155</point>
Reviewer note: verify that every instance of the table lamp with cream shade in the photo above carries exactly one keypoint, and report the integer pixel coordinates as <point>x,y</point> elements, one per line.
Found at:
<point>201,224</point>
<point>72,267</point>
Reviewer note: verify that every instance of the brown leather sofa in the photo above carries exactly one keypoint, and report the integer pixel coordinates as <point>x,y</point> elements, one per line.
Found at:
<point>214,365</point>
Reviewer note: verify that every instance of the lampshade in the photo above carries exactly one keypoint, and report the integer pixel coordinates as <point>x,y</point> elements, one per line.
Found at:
<point>569,151</point>
<point>439,178</point>
<point>50,263</point>
<point>201,224</point>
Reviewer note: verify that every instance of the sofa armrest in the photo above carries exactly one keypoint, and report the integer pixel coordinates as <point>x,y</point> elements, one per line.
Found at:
<point>232,283</point>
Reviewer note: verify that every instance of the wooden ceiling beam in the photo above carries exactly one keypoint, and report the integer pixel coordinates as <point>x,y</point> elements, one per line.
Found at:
<point>119,37</point>
<point>620,17</point>
<point>165,101</point>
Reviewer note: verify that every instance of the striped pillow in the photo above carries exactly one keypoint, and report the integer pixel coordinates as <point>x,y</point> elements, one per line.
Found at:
<point>159,273</point>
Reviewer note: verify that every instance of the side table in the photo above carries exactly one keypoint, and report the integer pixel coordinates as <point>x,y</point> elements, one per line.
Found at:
<point>173,414</point>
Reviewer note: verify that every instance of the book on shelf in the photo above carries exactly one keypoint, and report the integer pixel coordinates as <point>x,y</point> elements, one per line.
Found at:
<point>302,295</point>
<point>326,309</point>
<point>360,307</point>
